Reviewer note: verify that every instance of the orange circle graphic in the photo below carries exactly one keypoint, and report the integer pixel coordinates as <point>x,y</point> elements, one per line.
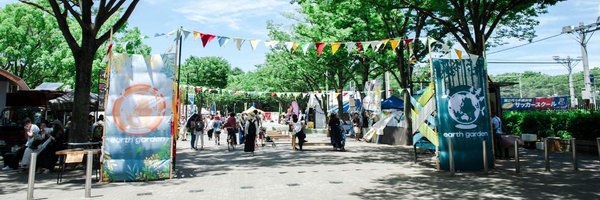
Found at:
<point>139,110</point>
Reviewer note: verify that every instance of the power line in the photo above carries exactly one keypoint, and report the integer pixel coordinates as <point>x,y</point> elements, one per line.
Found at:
<point>535,41</point>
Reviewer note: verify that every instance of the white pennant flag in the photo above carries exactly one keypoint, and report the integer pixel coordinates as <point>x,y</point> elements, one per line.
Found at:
<point>186,34</point>
<point>254,43</point>
<point>271,44</point>
<point>306,46</point>
<point>289,46</point>
<point>350,46</point>
<point>238,43</point>
<point>366,45</point>
<point>376,45</point>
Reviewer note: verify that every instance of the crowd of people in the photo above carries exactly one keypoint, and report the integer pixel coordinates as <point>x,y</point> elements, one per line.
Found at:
<point>44,139</point>
<point>244,128</point>
<point>247,129</point>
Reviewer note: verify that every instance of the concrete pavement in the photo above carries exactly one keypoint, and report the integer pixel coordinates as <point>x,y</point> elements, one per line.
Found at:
<point>364,171</point>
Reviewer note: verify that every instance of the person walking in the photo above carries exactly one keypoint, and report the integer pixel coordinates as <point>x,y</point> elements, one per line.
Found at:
<point>336,132</point>
<point>241,127</point>
<point>217,130</point>
<point>191,128</point>
<point>251,129</point>
<point>299,131</point>
<point>210,127</point>
<point>230,125</point>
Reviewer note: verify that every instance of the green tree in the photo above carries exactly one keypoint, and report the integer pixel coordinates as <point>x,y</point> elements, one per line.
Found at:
<point>31,45</point>
<point>477,24</point>
<point>91,18</point>
<point>206,71</point>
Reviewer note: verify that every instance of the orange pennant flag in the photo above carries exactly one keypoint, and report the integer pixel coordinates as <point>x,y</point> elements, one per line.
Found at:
<point>458,53</point>
<point>394,44</point>
<point>334,47</point>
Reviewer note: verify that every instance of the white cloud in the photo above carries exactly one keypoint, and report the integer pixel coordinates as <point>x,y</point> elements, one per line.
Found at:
<point>233,13</point>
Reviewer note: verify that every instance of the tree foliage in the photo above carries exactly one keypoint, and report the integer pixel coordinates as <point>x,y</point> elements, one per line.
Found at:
<point>89,31</point>
<point>476,24</point>
<point>206,71</point>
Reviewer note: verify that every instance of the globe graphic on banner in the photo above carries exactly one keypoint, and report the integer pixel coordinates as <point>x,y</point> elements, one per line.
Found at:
<point>464,108</point>
<point>139,110</point>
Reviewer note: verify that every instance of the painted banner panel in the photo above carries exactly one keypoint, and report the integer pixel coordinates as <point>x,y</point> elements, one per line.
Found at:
<point>137,140</point>
<point>463,115</point>
<point>538,103</point>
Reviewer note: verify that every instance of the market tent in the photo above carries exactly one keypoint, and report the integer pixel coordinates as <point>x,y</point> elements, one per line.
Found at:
<point>392,103</point>
<point>347,107</point>
<point>252,109</point>
<point>204,111</point>
<point>65,102</point>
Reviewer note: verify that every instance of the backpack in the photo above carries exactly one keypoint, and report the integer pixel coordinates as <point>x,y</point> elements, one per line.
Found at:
<point>98,131</point>
<point>199,126</point>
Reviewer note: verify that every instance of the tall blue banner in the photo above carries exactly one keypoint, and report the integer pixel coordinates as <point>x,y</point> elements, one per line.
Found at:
<point>137,139</point>
<point>463,116</point>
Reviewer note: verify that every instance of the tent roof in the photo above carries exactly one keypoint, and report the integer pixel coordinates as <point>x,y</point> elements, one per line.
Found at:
<point>252,109</point>
<point>65,102</point>
<point>392,103</point>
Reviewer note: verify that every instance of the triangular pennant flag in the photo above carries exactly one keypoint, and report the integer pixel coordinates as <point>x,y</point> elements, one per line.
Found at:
<point>238,42</point>
<point>458,53</point>
<point>223,40</point>
<point>408,41</point>
<point>360,46</point>
<point>474,58</point>
<point>350,46</point>
<point>320,46</point>
<point>206,38</point>
<point>295,46</point>
<point>186,34</point>
<point>366,45</point>
<point>196,35</point>
<point>394,44</point>
<point>430,40</point>
<point>254,43</point>
<point>334,47</point>
<point>376,45</point>
<point>306,46</point>
<point>288,46</point>
<point>271,44</point>
<point>385,41</point>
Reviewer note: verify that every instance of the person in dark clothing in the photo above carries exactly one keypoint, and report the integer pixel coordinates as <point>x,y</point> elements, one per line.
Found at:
<point>336,132</point>
<point>251,128</point>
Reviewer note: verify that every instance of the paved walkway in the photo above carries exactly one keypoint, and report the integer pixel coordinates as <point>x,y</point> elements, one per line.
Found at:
<point>365,171</point>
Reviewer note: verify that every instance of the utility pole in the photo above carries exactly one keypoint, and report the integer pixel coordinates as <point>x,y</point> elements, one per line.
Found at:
<point>583,30</point>
<point>569,63</point>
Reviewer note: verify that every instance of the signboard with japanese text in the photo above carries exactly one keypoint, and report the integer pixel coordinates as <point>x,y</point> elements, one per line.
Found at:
<point>538,103</point>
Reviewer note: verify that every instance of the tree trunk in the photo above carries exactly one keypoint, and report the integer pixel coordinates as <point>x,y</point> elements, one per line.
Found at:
<point>405,76</point>
<point>81,104</point>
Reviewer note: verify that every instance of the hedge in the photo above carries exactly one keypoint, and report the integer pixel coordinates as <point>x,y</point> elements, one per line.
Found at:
<point>581,124</point>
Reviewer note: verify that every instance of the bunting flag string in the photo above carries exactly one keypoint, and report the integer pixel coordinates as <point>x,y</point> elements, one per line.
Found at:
<point>291,46</point>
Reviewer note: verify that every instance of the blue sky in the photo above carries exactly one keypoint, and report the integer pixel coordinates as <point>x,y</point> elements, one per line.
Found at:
<point>247,19</point>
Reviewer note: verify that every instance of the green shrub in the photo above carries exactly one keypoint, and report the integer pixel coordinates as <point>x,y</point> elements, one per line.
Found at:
<point>580,124</point>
